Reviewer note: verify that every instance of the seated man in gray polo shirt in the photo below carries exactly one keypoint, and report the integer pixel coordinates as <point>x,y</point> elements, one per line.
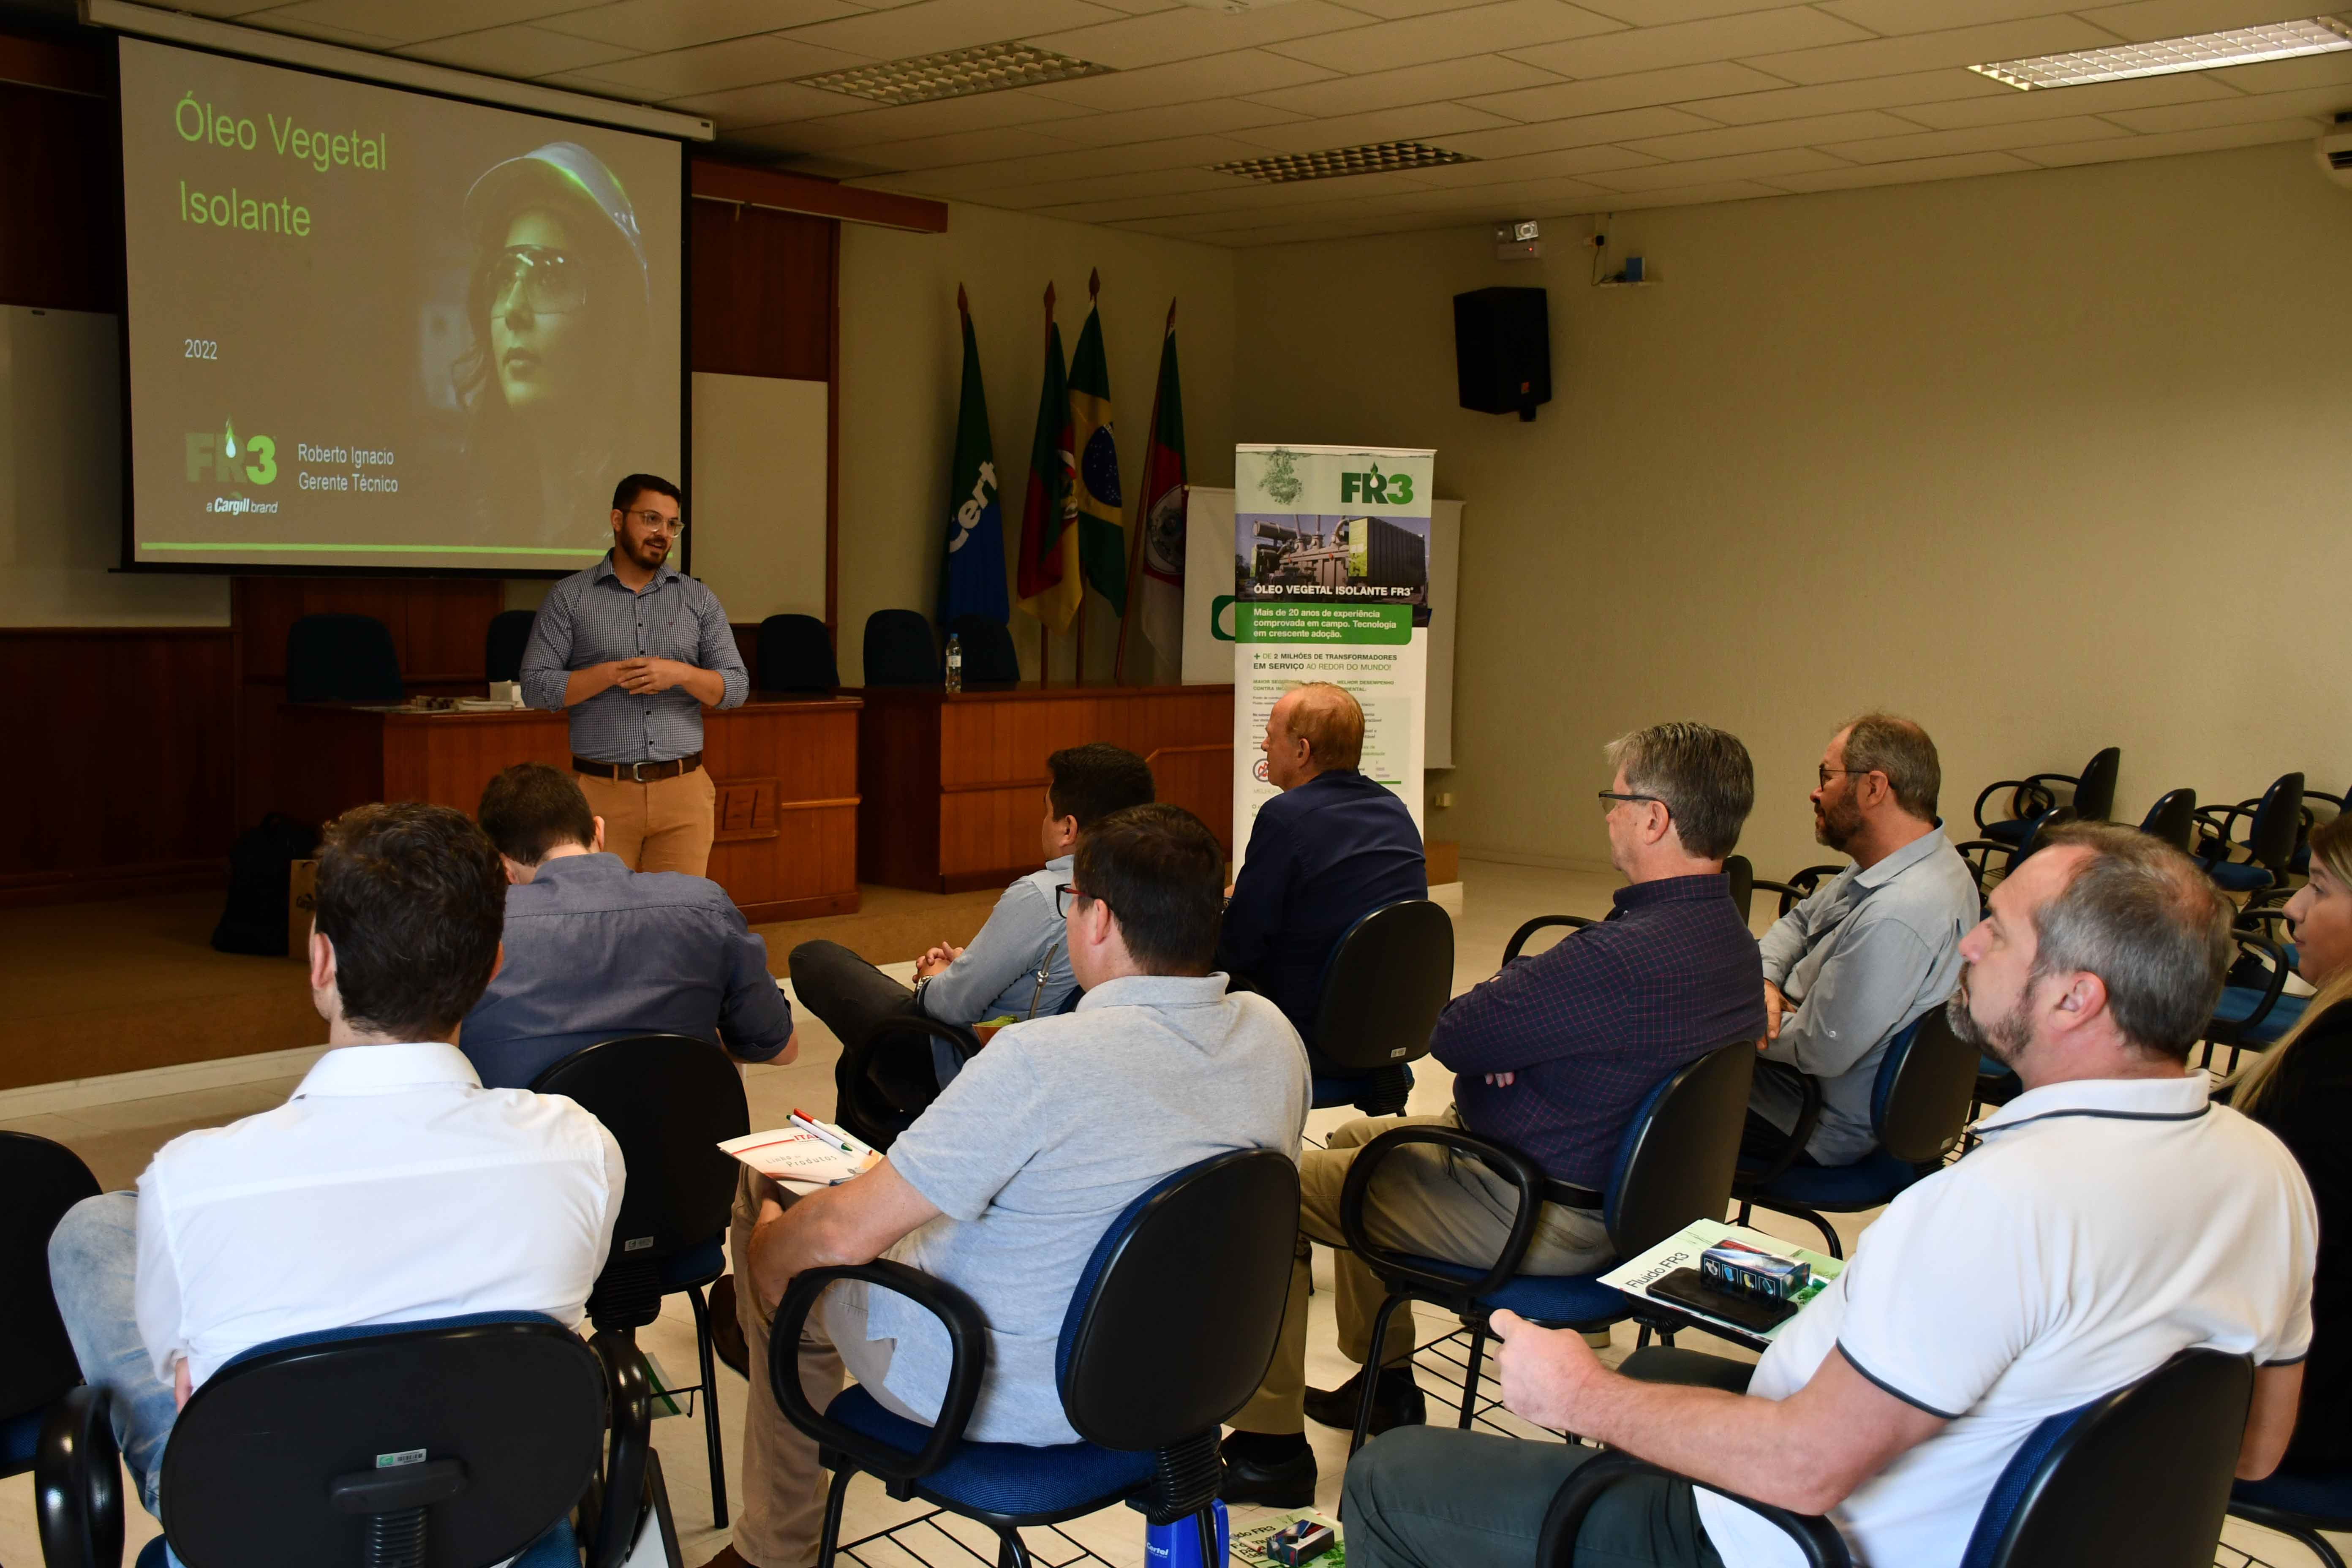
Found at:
<point>1017,967</point>
<point>1874,948</point>
<point>596,951</point>
<point>1005,1184</point>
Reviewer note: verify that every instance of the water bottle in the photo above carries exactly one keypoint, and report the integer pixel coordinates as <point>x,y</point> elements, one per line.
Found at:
<point>955,662</point>
<point>1178,1545</point>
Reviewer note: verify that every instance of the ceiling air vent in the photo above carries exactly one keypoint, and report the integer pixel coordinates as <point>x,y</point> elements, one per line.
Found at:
<point>1372,158</point>
<point>954,73</point>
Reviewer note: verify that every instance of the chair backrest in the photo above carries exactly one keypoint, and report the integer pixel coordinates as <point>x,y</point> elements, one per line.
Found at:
<point>669,1100</point>
<point>2277,819</point>
<point>342,659</point>
<point>886,1081</point>
<point>1674,1161</point>
<point>2140,1475</point>
<point>42,1180</point>
<point>504,644</point>
<point>1925,1084</point>
<point>1174,1319</point>
<point>2173,817</point>
<point>2095,790</point>
<point>989,658</point>
<point>796,654</point>
<point>898,650</point>
<point>503,1412</point>
<point>1388,978</point>
<point>1742,874</point>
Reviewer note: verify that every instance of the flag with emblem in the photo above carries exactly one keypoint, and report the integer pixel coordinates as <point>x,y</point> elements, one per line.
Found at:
<point>971,574</point>
<point>1159,515</point>
<point>1095,494</point>
<point>1048,580</point>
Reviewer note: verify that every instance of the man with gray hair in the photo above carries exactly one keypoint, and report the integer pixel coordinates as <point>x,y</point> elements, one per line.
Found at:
<point>1874,948</point>
<point>2064,1258</point>
<point>1553,1056</point>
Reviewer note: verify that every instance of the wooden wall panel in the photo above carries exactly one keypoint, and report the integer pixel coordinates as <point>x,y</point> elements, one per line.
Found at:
<point>60,199</point>
<point>762,290</point>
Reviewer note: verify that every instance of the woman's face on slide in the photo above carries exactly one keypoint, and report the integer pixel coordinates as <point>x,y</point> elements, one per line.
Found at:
<point>539,335</point>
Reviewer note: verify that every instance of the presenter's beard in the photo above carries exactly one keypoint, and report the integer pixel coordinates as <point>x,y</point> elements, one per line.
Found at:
<point>2004,1039</point>
<point>648,553</point>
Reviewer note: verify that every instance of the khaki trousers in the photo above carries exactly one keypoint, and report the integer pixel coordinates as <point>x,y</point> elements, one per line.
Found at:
<point>665,825</point>
<point>1424,1200</point>
<point>782,1509</point>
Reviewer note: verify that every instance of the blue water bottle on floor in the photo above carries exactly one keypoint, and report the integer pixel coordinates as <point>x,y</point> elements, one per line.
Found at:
<point>1178,1545</point>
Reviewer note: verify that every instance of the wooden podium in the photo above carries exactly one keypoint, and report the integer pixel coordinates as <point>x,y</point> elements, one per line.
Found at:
<point>786,772</point>
<point>954,785</point>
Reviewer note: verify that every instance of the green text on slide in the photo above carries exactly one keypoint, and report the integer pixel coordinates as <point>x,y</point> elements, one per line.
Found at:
<point>1287,623</point>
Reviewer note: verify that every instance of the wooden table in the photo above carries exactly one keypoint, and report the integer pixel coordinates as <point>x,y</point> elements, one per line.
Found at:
<point>953,784</point>
<point>786,772</point>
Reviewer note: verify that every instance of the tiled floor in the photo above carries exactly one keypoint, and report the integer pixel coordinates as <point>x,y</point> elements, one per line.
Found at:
<point>117,1141</point>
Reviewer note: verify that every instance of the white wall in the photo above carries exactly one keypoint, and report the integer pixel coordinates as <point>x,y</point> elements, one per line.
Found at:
<point>2049,461</point>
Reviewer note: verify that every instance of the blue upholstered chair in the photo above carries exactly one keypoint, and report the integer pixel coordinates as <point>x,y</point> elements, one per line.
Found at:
<point>1993,859</point>
<point>2255,1010</point>
<point>2173,819</point>
<point>1171,1326</point>
<point>2299,864</point>
<point>1918,1105</point>
<point>2274,824</point>
<point>42,1180</point>
<point>2299,1506</point>
<point>458,1441</point>
<point>2092,794</point>
<point>669,1100</point>
<point>2076,1491</point>
<point>1388,978</point>
<point>1673,1166</point>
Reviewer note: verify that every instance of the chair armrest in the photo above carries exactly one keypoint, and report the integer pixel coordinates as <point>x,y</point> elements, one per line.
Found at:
<point>629,1394</point>
<point>2028,789</point>
<point>1816,1538</point>
<point>1519,937</point>
<point>1800,885</point>
<point>1791,896</point>
<point>77,1483</point>
<point>967,1365</point>
<point>2334,800</point>
<point>1809,1116</point>
<point>2271,992</point>
<point>1500,1158</point>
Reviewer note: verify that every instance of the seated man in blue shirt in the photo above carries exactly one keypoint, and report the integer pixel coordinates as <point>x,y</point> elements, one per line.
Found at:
<point>1328,851</point>
<point>1553,1056</point>
<point>1018,966</point>
<point>596,951</point>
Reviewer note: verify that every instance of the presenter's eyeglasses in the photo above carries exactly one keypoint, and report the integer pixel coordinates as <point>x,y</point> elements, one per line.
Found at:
<point>552,283</point>
<point>1610,797</point>
<point>674,526</point>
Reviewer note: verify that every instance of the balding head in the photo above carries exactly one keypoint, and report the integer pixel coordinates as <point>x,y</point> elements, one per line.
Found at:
<point>1316,728</point>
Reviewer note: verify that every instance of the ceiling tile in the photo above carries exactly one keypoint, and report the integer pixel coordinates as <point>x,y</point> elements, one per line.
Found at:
<point>1235,75</point>
<point>1108,187</point>
<point>519,50</point>
<point>766,104</point>
<point>1583,131</point>
<point>2095,97</point>
<point>1113,209</point>
<point>1202,117</point>
<point>1415,84</point>
<point>2178,18</point>
<point>1480,30</point>
<point>1926,51</point>
<point>1812,131</point>
<point>414,21</point>
<point>930,26</point>
<point>1507,199</point>
<point>864,126</point>
<point>1696,171</point>
<point>1392,10</point>
<point>959,147</point>
<point>1576,161</point>
<point>1931,15</point>
<point>1898,93</point>
<point>224,7</point>
<point>1959,166</point>
<point>1665,13</point>
<point>1689,43</point>
<point>1635,89</point>
<point>2318,104</point>
<point>299,27</point>
<point>1188,32</point>
<point>1978,139</point>
<point>1675,197</point>
<point>1421,122</point>
<point>2170,142</point>
<point>2286,76</point>
<point>1189,151</point>
<point>650,26</point>
<point>717,67</point>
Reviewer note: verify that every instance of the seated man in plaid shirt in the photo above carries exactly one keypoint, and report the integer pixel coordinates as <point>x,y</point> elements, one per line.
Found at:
<point>1552,1057</point>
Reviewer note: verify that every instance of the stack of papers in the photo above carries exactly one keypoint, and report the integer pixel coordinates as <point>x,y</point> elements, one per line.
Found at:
<point>1681,1251</point>
<point>804,1158</point>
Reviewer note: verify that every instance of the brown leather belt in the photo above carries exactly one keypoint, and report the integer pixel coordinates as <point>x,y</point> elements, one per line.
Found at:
<point>637,773</point>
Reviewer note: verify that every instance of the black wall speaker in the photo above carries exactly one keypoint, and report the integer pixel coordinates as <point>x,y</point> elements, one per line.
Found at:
<point>1502,350</point>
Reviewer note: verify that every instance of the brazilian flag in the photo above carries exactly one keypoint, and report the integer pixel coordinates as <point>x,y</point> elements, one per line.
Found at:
<point>1102,531</point>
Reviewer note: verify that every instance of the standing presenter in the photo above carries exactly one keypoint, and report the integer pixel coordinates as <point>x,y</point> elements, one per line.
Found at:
<point>634,650</point>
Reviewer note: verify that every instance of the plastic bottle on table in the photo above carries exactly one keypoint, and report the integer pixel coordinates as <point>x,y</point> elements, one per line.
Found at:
<point>955,662</point>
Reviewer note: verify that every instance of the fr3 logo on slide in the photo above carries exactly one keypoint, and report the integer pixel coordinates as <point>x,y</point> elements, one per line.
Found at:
<point>213,458</point>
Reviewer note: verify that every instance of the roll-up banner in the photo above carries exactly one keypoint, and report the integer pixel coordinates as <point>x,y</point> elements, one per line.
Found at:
<point>1331,583</point>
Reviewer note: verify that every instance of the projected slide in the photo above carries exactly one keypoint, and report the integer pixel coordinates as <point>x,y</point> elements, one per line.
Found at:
<point>373,328</point>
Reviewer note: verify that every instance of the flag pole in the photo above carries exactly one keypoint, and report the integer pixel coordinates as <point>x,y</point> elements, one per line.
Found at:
<point>1044,632</point>
<point>1135,528</point>
<point>1079,670</point>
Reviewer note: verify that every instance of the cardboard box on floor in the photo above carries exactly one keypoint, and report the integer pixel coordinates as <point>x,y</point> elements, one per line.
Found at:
<point>301,900</point>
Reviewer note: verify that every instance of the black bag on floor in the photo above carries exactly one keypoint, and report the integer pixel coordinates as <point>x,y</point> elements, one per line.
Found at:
<point>260,864</point>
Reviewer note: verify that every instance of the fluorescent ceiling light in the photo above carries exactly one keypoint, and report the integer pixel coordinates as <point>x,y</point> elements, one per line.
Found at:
<point>1372,158</point>
<point>2197,52</point>
<point>954,73</point>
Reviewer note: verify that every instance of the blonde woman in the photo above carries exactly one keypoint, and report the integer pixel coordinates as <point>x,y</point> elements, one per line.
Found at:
<point>2300,1088</point>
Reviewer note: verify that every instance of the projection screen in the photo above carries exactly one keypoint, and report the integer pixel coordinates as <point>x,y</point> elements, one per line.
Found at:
<point>370,328</point>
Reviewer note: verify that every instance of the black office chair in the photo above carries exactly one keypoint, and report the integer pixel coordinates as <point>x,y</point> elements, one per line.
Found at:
<point>669,1100</point>
<point>1919,1103</point>
<point>2299,1506</point>
<point>1673,1166</point>
<point>796,655</point>
<point>1388,978</point>
<point>885,1081</point>
<point>43,1180</point>
<point>342,659</point>
<point>459,1441</point>
<point>2256,1009</point>
<point>900,651</point>
<point>1171,1326</point>
<point>989,659</point>
<point>1991,859</point>
<point>2274,824</point>
<point>2078,1490</point>
<point>2092,794</point>
<point>1799,886</point>
<point>1740,872</point>
<point>2173,819</point>
<point>504,644</point>
<point>2300,863</point>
